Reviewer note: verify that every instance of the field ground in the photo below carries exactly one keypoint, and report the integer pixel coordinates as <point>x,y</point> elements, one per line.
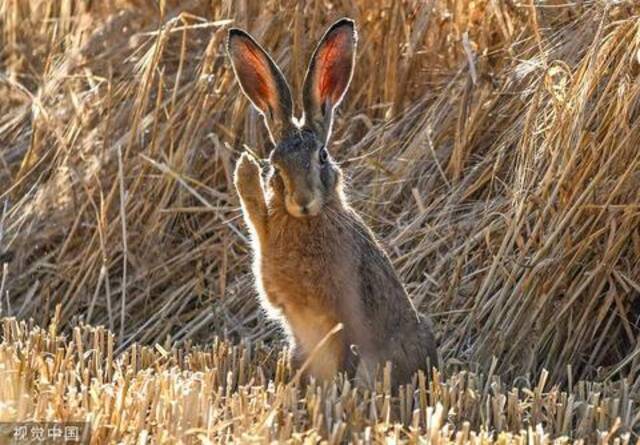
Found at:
<point>492,145</point>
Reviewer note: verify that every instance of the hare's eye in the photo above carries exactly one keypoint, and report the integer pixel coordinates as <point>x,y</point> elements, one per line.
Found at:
<point>323,155</point>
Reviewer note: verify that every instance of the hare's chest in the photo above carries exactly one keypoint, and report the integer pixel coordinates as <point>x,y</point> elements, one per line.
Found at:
<point>308,272</point>
<point>289,275</point>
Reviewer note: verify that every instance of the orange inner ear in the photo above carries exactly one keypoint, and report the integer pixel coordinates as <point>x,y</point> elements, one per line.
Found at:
<point>253,69</point>
<point>334,66</point>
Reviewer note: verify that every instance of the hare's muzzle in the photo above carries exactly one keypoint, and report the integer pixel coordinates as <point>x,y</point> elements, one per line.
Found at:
<point>302,207</point>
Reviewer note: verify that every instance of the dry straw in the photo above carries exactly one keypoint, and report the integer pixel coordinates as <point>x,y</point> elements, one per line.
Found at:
<point>493,146</point>
<point>222,393</point>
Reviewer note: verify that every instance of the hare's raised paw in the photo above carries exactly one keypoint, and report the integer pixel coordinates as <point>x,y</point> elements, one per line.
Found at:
<point>246,177</point>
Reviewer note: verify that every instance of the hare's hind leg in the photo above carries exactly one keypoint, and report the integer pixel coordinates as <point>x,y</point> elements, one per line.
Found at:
<point>247,181</point>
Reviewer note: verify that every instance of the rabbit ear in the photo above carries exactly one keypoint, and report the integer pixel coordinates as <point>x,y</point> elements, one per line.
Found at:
<point>329,75</point>
<point>261,81</point>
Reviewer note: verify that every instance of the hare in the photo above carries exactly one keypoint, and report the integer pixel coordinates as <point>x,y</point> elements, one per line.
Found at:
<point>316,262</point>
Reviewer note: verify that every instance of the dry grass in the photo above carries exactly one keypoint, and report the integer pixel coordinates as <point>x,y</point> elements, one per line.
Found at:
<point>494,150</point>
<point>224,393</point>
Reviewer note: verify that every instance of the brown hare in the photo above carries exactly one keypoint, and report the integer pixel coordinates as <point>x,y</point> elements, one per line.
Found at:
<point>316,262</point>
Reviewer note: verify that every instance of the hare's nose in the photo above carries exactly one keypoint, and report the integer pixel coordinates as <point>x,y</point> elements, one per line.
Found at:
<point>310,207</point>
<point>305,206</point>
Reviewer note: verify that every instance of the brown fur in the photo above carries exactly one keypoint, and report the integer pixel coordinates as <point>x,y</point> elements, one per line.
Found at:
<point>316,262</point>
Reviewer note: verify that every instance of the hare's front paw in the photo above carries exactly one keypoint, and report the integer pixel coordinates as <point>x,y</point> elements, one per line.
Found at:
<point>246,177</point>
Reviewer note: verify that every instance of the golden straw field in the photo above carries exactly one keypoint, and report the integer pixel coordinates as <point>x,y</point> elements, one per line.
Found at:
<point>492,145</point>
